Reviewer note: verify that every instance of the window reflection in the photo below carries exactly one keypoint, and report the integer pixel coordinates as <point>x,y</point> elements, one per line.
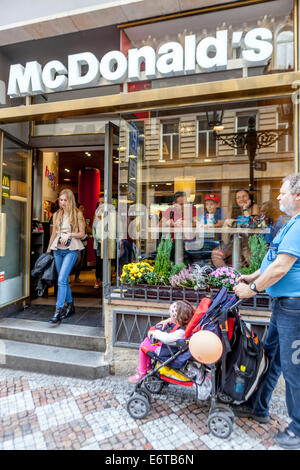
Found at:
<point>285,50</point>
<point>195,192</point>
<point>15,205</point>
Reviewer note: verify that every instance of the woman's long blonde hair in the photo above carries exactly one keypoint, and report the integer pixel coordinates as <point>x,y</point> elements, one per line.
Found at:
<point>71,211</point>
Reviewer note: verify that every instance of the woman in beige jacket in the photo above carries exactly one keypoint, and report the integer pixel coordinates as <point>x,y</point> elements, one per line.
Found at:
<point>65,241</point>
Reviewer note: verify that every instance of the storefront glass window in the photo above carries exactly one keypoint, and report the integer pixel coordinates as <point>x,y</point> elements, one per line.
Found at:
<point>170,141</point>
<point>203,204</point>
<point>207,145</point>
<point>285,50</point>
<point>15,207</point>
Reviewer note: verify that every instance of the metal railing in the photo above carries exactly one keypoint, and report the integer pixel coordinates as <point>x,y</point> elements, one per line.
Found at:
<point>130,327</point>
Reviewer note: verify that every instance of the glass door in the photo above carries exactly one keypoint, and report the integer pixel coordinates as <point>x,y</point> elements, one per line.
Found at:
<point>15,173</point>
<point>110,210</point>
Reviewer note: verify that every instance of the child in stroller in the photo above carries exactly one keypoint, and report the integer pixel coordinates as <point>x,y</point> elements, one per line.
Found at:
<point>175,364</point>
<point>181,313</point>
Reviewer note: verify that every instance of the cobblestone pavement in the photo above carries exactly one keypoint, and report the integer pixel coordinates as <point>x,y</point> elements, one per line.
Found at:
<point>46,412</point>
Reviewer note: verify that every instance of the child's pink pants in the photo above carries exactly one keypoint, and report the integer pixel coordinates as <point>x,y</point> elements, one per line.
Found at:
<point>144,360</point>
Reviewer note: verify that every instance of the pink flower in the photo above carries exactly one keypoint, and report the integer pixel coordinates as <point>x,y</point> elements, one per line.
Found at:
<point>231,281</point>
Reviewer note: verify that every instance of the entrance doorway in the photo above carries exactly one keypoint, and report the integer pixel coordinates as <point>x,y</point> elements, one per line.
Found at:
<point>88,166</point>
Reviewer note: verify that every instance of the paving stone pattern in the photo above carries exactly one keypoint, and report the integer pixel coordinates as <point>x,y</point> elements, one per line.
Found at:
<point>41,412</point>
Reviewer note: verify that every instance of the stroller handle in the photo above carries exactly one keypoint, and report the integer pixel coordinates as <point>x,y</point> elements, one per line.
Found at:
<point>239,302</point>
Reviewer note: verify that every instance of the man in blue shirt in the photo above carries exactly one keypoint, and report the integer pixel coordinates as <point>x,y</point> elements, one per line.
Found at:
<point>279,275</point>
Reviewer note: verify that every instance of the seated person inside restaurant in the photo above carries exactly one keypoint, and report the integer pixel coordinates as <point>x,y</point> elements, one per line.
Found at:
<point>213,212</point>
<point>174,216</point>
<point>247,209</point>
<point>210,219</point>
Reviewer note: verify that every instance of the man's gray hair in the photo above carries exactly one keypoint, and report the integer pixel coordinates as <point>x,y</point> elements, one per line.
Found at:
<point>294,182</point>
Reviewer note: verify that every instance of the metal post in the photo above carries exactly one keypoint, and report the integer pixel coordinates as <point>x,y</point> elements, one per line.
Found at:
<point>110,130</point>
<point>251,142</point>
<point>236,249</point>
<point>178,248</point>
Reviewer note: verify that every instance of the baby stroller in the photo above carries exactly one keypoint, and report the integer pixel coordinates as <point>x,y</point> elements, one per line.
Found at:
<point>240,370</point>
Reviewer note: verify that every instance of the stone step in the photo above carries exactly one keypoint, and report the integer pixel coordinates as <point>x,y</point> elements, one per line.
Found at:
<point>52,360</point>
<point>63,335</point>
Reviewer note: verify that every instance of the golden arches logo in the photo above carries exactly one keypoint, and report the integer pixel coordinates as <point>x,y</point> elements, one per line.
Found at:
<point>6,181</point>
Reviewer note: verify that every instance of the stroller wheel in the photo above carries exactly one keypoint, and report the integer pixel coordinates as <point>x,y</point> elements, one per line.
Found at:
<point>225,398</point>
<point>144,392</point>
<point>153,384</point>
<point>220,425</point>
<point>138,406</point>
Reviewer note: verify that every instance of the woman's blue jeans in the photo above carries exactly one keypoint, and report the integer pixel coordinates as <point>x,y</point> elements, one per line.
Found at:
<point>283,345</point>
<point>64,262</point>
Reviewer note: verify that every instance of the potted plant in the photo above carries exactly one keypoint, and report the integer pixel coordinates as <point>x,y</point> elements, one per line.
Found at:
<point>223,277</point>
<point>135,274</point>
<point>258,249</point>
<point>193,279</point>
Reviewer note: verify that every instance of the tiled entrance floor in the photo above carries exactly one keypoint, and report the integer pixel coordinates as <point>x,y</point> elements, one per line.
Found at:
<point>84,316</point>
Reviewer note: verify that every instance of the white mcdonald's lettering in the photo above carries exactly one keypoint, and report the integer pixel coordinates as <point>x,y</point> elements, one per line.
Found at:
<point>171,59</point>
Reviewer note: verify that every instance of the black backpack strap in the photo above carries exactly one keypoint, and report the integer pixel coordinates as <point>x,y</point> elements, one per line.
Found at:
<point>223,325</point>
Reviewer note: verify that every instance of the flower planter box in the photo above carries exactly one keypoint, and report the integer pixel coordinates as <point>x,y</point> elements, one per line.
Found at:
<point>171,294</point>
<point>161,293</point>
<point>258,302</point>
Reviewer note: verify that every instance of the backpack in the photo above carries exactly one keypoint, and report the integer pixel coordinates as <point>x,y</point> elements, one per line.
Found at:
<point>243,366</point>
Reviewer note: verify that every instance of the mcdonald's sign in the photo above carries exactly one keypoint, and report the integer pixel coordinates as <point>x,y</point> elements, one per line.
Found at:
<point>5,185</point>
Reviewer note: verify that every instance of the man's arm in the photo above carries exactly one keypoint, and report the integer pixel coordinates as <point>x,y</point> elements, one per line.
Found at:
<point>274,272</point>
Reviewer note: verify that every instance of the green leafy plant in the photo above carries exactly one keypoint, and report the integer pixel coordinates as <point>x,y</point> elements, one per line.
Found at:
<point>162,263</point>
<point>258,248</point>
<point>154,279</point>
